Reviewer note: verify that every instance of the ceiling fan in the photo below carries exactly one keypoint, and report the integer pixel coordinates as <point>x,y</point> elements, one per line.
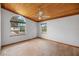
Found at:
<point>40,14</point>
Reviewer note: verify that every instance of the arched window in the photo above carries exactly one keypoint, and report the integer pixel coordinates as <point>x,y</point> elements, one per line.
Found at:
<point>18,24</point>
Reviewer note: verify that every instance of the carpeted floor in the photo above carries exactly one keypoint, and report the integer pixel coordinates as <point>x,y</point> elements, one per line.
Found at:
<point>39,47</point>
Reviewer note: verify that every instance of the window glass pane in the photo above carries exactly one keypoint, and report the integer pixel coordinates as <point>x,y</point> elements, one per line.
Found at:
<point>44,27</point>
<point>17,25</point>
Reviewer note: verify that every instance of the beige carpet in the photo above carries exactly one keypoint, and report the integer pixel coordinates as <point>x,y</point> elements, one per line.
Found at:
<point>39,47</point>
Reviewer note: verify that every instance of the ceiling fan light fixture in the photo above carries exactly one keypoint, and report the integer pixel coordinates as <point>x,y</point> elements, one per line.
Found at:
<point>41,14</point>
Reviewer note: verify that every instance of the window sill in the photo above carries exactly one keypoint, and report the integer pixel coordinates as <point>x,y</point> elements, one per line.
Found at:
<point>17,35</point>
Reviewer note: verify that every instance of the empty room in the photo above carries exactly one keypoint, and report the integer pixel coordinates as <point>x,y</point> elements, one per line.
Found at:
<point>39,29</point>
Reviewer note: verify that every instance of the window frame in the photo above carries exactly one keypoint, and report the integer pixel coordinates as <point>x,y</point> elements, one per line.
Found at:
<point>21,26</point>
<point>44,28</point>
